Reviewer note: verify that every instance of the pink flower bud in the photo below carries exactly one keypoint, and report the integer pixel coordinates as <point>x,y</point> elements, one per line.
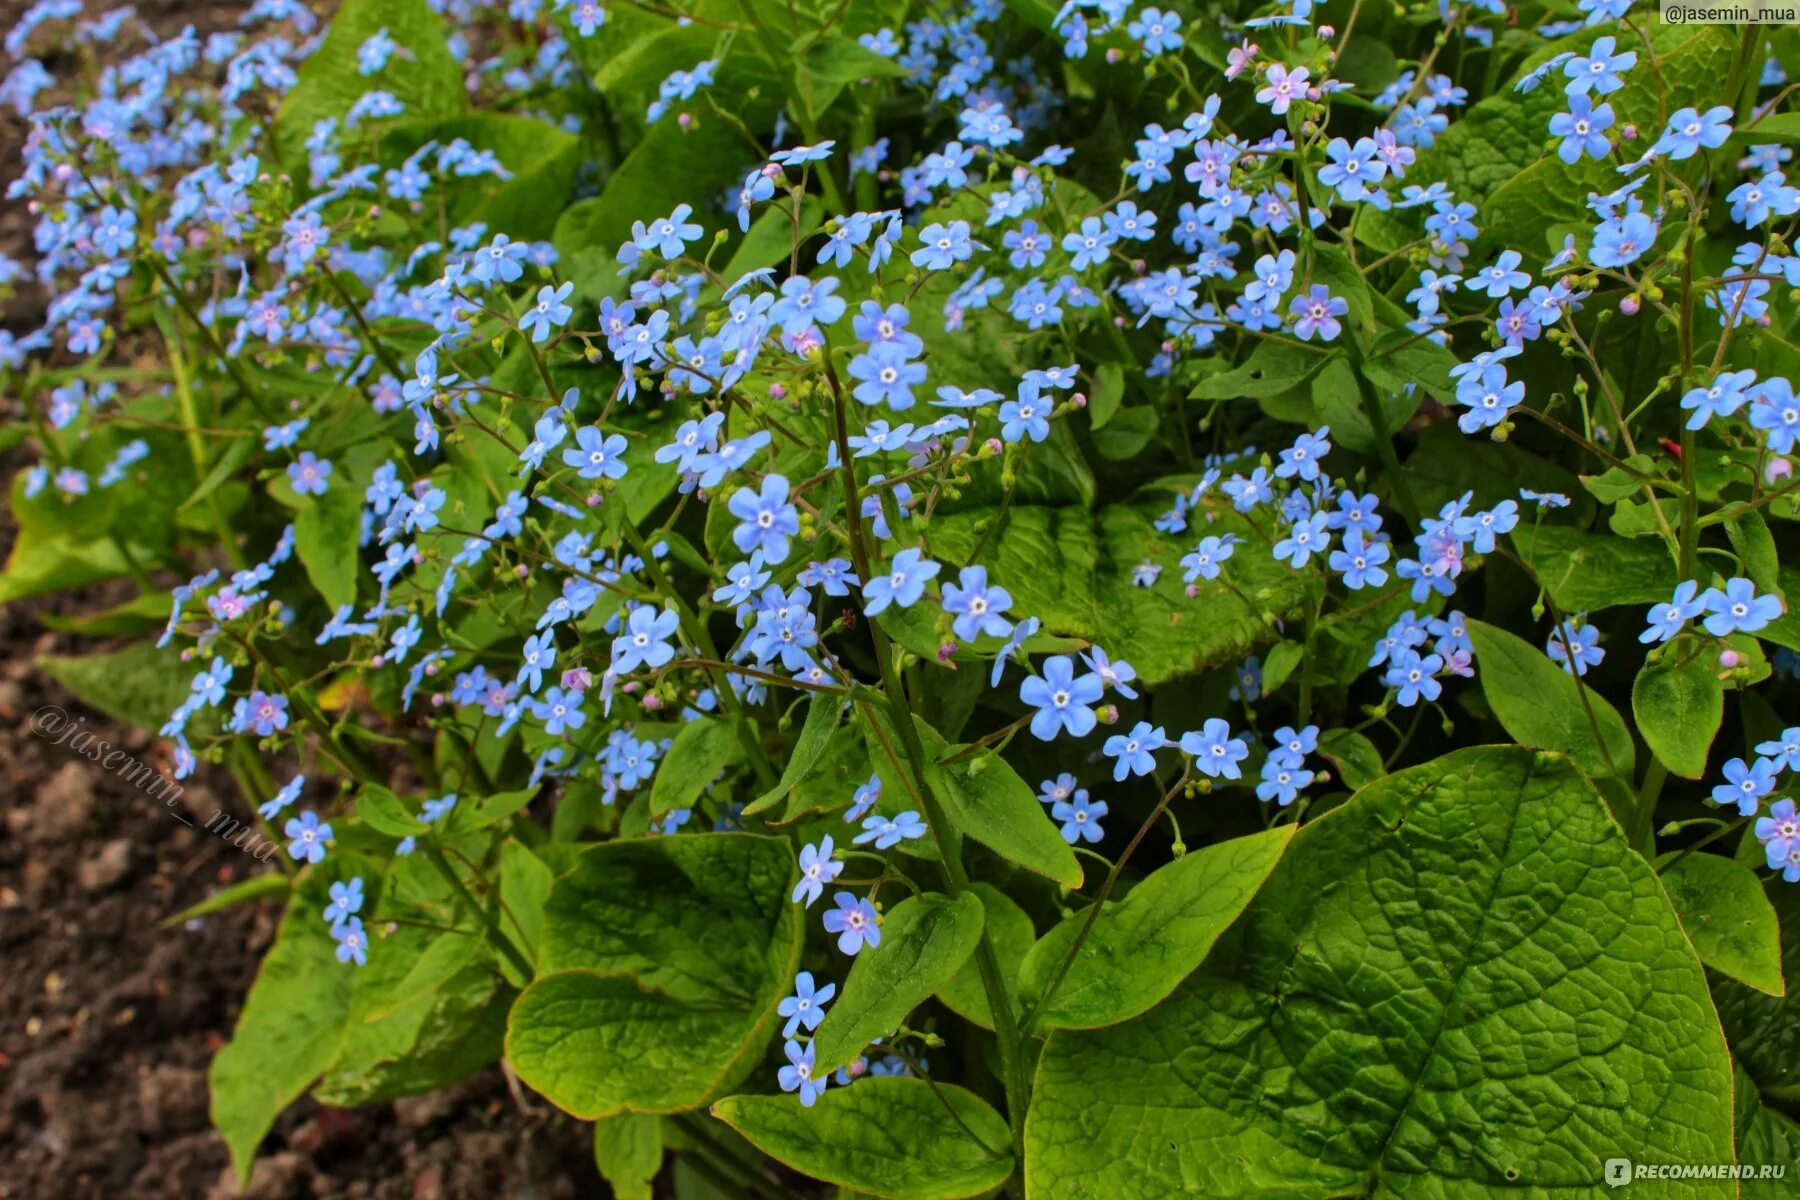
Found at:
<point>946,652</point>
<point>1079,399</point>
<point>778,391</point>
<point>577,679</point>
<point>653,702</point>
<point>1778,468</point>
<point>1630,305</point>
<point>1730,659</point>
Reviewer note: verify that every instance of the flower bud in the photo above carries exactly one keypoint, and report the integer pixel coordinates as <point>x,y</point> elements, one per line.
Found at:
<point>1730,659</point>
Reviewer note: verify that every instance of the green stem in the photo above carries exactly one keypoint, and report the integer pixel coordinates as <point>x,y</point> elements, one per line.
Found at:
<point>435,855</point>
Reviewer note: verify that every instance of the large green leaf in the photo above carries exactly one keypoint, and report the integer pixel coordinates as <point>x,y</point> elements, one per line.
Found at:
<point>1142,947</point>
<point>1767,1140</point>
<point>1541,704</point>
<point>887,1136</point>
<point>1073,570</point>
<point>1462,982</point>
<point>1585,572</point>
<point>659,967</point>
<point>924,941</point>
<point>1728,918</point>
<point>421,74</point>
<point>1679,702</point>
<point>138,684</point>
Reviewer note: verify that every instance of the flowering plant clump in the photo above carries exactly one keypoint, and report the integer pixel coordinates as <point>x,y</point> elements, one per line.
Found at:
<point>1100,600</point>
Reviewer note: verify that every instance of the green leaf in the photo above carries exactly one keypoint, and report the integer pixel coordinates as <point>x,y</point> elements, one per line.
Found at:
<point>421,74</point>
<point>702,749</point>
<point>380,809</point>
<point>1279,664</point>
<point>1271,369</point>
<point>1010,930</point>
<point>1461,982</point>
<point>668,167</point>
<point>1679,703</point>
<point>138,684</point>
<point>659,968</point>
<point>837,59</point>
<point>1109,391</point>
<point>925,940</point>
<point>525,882</point>
<point>1357,761</point>
<point>1766,1139</point>
<point>1728,918</point>
<point>244,891</point>
<point>1073,570</point>
<point>889,1136</point>
<point>42,561</point>
<point>1586,572</point>
<point>628,1149</point>
<point>1337,400</point>
<point>1128,433</point>
<point>1764,1030</point>
<point>325,541</point>
<point>1139,949</point>
<point>822,715</point>
<point>141,614</point>
<point>1751,538</point>
<point>1615,484</point>
<point>291,1024</point>
<point>541,159</point>
<point>1541,704</point>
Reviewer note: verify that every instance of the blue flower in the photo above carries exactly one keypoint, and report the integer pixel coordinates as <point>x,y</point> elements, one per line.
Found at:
<point>1779,833</point>
<point>1416,677</point>
<point>1063,700</point>
<point>645,639</point>
<point>903,583</point>
<point>1671,617</point>
<point>1135,751</point>
<point>817,868</point>
<point>1316,314</point>
<point>1052,790</point>
<point>804,303</point>
<point>886,376</point>
<point>352,942</point>
<point>1214,751</point>
<point>1156,31</point>
<point>806,1006</point>
<point>854,921</point>
<point>1115,674</point>
<point>1738,609</point>
<point>1080,818</point>
<point>1359,562</point>
<point>1292,746</point>
<point>944,246</point>
<point>1302,458</point>
<point>863,799</point>
<point>1206,559</point>
<point>1785,750</point>
<point>560,710</point>
<point>1306,537</point>
<point>1582,129</point>
<point>308,837</point>
<point>798,1074</point>
<point>1599,69</point>
<point>1689,130</point>
<point>597,455</point>
<point>766,519</point>
<point>1721,398</point>
<point>310,475</point>
<point>1282,780</point>
<point>1025,417</point>
<point>346,902</point>
<point>977,606</point>
<point>549,312</point>
<point>1576,651</point>
<point>886,832</point>
<point>1745,784</point>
